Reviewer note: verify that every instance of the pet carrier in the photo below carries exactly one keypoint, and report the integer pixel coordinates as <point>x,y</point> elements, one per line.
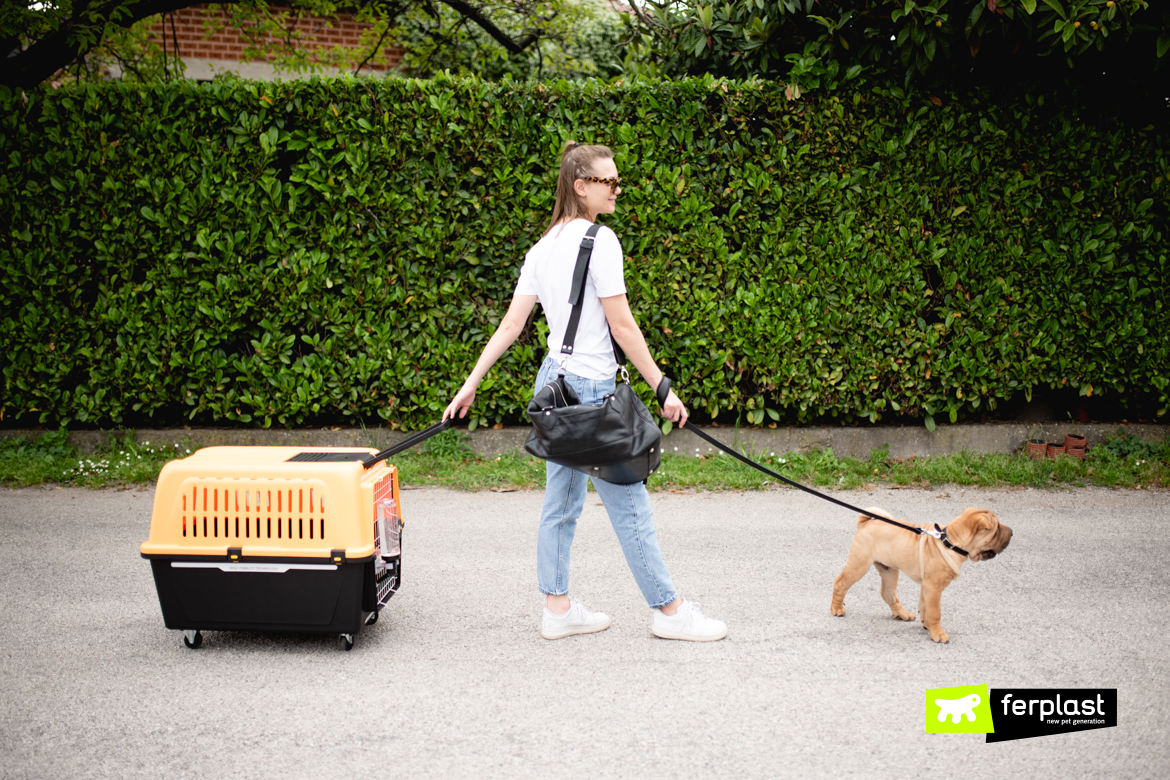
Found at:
<point>277,539</point>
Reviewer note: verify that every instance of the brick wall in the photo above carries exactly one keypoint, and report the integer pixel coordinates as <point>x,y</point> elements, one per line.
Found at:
<point>341,30</point>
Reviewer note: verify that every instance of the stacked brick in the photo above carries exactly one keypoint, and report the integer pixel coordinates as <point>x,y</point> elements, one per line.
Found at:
<point>228,46</point>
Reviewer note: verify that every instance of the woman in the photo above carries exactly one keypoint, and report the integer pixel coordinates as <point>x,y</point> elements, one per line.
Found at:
<point>588,185</point>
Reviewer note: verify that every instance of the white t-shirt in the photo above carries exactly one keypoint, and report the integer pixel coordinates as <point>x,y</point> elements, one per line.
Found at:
<point>548,274</point>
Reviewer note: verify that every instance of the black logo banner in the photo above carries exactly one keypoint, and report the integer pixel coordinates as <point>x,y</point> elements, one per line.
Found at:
<point>1021,713</point>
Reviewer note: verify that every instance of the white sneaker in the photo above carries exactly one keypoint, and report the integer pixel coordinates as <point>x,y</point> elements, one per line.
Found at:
<point>578,620</point>
<point>688,623</point>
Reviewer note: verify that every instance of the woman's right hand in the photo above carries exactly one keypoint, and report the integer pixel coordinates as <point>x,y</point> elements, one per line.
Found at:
<point>461,403</point>
<point>674,410</point>
<point>509,329</point>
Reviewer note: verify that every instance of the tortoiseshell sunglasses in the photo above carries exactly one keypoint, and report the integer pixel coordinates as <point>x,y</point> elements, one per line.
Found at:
<point>613,183</point>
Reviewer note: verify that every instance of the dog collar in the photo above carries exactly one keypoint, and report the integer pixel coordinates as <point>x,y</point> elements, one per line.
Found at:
<point>941,535</point>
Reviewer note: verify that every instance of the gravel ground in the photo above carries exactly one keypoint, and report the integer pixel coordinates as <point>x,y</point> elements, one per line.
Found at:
<point>454,680</point>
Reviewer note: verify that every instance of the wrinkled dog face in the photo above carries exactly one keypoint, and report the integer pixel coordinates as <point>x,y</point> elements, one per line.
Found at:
<point>991,536</point>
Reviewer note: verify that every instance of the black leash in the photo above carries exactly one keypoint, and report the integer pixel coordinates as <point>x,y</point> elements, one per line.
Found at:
<point>936,532</point>
<point>411,440</point>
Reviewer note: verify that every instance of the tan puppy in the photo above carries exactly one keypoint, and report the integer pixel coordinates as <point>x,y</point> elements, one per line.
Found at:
<point>923,558</point>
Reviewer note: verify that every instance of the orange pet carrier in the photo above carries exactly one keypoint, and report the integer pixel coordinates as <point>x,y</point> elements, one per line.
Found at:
<point>277,539</point>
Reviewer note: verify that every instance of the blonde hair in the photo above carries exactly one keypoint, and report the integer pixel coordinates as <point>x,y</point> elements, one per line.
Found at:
<point>576,163</point>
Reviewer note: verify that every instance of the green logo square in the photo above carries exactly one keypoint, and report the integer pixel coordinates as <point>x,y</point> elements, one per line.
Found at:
<point>962,710</point>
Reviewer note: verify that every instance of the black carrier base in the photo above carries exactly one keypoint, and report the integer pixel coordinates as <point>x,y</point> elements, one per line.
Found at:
<point>309,596</point>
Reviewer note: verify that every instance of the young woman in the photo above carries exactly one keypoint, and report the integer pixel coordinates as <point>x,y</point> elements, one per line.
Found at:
<point>588,185</point>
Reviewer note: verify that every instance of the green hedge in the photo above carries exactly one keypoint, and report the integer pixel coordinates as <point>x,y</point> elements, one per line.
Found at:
<point>334,251</point>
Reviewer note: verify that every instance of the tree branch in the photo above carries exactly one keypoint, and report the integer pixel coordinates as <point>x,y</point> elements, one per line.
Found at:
<point>31,66</point>
<point>25,68</point>
<point>377,48</point>
<point>474,14</point>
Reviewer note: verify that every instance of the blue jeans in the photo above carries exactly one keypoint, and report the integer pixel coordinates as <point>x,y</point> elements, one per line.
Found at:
<point>628,507</point>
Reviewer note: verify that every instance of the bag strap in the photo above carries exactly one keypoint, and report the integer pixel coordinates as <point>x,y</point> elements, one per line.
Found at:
<point>577,296</point>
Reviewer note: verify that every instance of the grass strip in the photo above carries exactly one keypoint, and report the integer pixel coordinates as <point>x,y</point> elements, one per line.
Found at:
<point>448,461</point>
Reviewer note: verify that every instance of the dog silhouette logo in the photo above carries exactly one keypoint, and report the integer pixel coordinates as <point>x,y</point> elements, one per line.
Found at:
<point>957,709</point>
<point>965,709</point>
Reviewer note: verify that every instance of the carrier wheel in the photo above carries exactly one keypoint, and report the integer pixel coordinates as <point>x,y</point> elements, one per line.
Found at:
<point>372,618</point>
<point>347,642</point>
<point>193,639</point>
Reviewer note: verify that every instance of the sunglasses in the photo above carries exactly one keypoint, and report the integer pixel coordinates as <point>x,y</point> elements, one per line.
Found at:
<point>613,183</point>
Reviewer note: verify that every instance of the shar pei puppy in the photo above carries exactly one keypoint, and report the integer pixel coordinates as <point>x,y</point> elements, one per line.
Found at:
<point>923,558</point>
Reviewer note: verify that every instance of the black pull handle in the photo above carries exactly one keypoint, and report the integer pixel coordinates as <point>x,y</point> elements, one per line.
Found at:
<point>408,442</point>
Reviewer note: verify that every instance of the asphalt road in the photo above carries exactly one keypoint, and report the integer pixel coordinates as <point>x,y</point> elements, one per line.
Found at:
<point>455,680</point>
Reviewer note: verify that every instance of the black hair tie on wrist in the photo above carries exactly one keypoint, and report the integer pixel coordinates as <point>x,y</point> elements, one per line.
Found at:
<point>663,390</point>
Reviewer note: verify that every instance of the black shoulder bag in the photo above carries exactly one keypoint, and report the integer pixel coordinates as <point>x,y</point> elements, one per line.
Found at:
<point>616,440</point>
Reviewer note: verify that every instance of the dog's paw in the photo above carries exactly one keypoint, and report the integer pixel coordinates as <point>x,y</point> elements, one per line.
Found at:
<point>904,615</point>
<point>940,636</point>
<point>839,611</point>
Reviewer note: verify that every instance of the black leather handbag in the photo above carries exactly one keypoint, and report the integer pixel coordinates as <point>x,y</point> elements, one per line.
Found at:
<point>616,440</point>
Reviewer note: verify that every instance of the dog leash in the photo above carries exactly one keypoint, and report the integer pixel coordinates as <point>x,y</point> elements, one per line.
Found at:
<point>936,532</point>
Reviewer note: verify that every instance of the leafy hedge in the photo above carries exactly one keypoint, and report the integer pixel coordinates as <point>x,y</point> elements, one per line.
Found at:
<point>336,251</point>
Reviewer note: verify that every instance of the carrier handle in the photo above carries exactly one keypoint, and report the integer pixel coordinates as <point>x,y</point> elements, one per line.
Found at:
<point>411,440</point>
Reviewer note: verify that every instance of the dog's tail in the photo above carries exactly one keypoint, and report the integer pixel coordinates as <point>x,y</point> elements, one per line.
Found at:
<point>873,512</point>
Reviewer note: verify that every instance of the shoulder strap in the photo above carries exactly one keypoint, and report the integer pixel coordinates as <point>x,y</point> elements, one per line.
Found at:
<point>577,295</point>
<point>580,272</point>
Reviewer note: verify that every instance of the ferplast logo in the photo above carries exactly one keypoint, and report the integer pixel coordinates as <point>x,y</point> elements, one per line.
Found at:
<point>962,710</point>
<point>1022,713</point>
<point>1005,714</point>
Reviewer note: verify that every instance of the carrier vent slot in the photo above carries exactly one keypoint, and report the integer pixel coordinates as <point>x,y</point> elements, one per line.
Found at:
<point>298,514</point>
<point>317,457</point>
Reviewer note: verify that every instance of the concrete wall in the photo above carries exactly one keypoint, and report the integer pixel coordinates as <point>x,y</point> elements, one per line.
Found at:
<point>853,442</point>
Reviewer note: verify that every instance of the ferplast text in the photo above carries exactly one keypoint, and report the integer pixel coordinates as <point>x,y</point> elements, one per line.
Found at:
<point>1067,707</point>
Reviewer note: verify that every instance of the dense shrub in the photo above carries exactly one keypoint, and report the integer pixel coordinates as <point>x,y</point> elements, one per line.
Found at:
<point>336,251</point>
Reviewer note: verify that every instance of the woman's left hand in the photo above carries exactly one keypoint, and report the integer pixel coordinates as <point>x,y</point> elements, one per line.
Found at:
<point>674,410</point>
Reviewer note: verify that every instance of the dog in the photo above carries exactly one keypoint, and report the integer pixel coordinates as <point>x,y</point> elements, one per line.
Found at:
<point>922,557</point>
